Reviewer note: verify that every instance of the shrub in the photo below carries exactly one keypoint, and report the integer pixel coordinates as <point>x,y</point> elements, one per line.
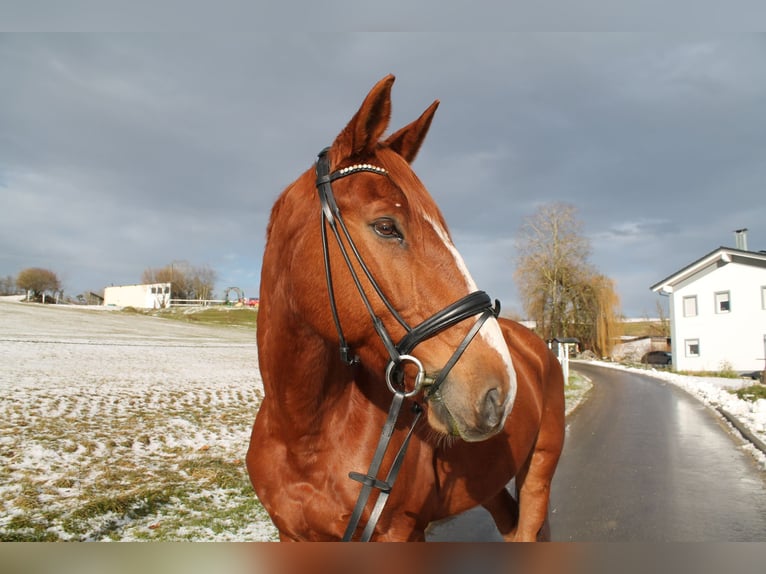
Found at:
<point>727,371</point>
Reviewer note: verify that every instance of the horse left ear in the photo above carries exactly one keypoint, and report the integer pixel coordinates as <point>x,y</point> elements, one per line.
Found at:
<point>407,141</point>
<point>360,136</point>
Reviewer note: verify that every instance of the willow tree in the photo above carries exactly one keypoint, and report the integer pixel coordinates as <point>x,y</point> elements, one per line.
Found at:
<point>561,290</point>
<point>594,313</point>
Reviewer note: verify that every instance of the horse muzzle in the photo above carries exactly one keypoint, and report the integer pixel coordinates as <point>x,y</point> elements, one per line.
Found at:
<point>474,420</point>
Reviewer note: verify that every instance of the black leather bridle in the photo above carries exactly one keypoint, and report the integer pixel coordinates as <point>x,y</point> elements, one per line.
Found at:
<point>473,304</point>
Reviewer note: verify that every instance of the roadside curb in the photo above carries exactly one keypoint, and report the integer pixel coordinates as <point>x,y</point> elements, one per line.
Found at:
<point>743,430</point>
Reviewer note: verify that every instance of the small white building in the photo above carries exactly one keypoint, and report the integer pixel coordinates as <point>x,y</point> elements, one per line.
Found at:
<point>147,296</point>
<point>718,311</point>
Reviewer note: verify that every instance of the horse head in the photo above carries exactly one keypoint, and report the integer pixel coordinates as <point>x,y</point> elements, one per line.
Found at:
<point>392,275</point>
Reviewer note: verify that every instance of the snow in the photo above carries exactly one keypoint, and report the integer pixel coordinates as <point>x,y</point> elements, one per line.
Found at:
<point>98,404</point>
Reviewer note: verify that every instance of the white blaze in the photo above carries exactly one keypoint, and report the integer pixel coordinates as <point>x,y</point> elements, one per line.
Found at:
<point>490,331</point>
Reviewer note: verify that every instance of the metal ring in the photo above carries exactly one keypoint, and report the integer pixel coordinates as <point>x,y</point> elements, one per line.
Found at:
<point>418,378</point>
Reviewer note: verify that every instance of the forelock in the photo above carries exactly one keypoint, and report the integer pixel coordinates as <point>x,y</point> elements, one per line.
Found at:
<point>404,178</point>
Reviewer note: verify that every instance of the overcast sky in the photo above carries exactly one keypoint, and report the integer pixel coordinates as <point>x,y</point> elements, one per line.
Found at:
<point>122,152</point>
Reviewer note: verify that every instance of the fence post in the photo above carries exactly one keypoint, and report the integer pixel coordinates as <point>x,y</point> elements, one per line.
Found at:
<point>564,360</point>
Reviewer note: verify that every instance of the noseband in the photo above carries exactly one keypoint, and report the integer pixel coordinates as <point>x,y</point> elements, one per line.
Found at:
<point>476,303</point>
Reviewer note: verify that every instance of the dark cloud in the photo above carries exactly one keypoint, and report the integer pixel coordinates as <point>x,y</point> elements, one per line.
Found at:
<point>119,152</point>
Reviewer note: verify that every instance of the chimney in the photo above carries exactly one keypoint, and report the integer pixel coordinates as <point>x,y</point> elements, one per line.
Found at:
<point>741,237</point>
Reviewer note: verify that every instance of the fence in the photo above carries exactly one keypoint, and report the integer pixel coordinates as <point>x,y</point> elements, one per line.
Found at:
<point>199,302</point>
<point>213,303</point>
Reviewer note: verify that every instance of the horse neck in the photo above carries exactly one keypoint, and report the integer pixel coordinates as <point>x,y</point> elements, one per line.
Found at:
<point>305,381</point>
<point>301,368</point>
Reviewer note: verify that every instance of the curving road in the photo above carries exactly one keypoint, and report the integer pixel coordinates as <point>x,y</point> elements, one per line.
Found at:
<point>643,462</point>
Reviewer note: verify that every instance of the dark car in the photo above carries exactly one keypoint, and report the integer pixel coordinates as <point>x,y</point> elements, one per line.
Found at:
<point>657,358</point>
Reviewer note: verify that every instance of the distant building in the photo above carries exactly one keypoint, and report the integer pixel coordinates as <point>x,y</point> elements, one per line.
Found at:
<point>90,298</point>
<point>147,296</point>
<point>634,349</point>
<point>718,310</point>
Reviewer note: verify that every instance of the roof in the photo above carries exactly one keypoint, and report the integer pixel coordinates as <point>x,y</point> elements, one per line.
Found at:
<point>722,254</point>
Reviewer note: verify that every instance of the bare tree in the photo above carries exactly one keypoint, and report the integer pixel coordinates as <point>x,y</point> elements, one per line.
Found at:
<point>551,252</point>
<point>8,286</point>
<point>561,290</point>
<point>202,281</point>
<point>187,281</point>
<point>663,328</point>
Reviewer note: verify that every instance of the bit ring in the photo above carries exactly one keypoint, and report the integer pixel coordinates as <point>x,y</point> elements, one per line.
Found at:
<point>419,378</point>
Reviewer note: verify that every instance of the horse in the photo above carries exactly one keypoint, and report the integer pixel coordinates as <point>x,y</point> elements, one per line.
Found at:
<point>480,397</point>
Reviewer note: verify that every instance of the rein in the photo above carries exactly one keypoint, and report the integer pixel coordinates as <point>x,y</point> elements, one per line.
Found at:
<point>476,303</point>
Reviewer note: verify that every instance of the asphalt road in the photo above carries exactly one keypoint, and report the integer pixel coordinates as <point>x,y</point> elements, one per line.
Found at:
<point>643,462</point>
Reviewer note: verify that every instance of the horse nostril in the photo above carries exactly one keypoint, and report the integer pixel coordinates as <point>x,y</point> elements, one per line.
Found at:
<point>492,408</point>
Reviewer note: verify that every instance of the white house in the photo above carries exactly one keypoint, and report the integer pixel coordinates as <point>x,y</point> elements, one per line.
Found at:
<point>718,311</point>
<point>147,296</point>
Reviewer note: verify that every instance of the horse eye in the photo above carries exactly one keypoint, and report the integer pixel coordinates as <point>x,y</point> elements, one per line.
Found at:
<point>386,228</point>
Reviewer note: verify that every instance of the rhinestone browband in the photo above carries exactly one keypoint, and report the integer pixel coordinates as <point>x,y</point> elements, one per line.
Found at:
<point>357,167</point>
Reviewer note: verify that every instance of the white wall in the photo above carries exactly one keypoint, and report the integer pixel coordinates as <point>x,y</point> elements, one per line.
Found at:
<point>735,338</point>
<point>149,296</point>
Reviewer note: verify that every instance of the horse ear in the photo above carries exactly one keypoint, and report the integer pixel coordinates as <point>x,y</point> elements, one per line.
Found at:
<point>407,141</point>
<point>361,135</point>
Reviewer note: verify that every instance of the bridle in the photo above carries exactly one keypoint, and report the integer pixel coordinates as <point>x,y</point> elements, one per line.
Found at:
<point>473,304</point>
<point>476,303</point>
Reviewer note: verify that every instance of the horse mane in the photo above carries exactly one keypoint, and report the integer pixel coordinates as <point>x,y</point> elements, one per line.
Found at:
<point>284,197</point>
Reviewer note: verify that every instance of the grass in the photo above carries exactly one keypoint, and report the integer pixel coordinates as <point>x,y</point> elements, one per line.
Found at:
<point>221,316</point>
<point>726,372</point>
<point>751,393</point>
<point>642,328</point>
<point>129,442</point>
<point>723,374</point>
<point>202,497</point>
<point>575,390</point>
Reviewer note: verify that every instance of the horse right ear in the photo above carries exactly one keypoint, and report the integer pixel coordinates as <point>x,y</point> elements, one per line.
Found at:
<point>407,141</point>
<point>360,136</point>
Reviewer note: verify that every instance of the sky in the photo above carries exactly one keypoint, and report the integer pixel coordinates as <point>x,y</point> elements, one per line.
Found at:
<point>122,151</point>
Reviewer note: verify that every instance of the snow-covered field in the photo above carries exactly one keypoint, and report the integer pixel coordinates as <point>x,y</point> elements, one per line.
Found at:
<point>127,427</point>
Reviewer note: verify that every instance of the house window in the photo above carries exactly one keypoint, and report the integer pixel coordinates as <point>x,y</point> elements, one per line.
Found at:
<point>692,347</point>
<point>763,297</point>
<point>690,306</point>
<point>722,302</point>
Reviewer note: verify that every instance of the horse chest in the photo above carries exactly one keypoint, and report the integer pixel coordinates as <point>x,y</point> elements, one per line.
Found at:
<point>304,484</point>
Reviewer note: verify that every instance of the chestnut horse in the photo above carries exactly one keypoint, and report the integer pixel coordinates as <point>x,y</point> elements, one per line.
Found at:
<point>490,390</point>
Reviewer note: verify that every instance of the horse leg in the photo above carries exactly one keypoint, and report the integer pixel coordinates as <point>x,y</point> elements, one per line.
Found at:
<point>534,495</point>
<point>505,512</point>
